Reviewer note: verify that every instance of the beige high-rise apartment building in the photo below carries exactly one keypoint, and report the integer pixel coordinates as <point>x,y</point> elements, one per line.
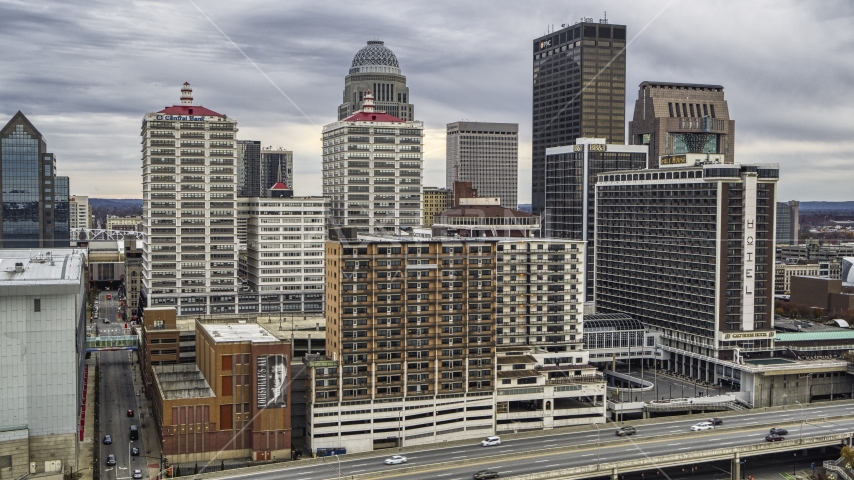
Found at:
<point>419,330</point>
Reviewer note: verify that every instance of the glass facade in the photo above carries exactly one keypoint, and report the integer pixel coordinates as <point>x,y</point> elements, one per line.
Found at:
<point>61,213</point>
<point>579,79</point>
<point>21,190</point>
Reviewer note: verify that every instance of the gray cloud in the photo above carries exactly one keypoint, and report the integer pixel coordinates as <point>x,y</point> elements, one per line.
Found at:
<point>86,74</point>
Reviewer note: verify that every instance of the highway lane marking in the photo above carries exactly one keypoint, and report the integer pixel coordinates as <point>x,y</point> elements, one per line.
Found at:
<point>550,445</point>
<point>547,466</point>
<point>461,456</point>
<point>750,423</point>
<point>541,461</point>
<point>357,471</point>
<point>585,455</point>
<point>727,443</point>
<point>444,474</point>
<point>672,444</point>
<point>360,465</point>
<point>459,451</point>
<point>683,448</point>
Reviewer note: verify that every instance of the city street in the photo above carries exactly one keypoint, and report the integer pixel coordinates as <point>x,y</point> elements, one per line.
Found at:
<point>117,396</point>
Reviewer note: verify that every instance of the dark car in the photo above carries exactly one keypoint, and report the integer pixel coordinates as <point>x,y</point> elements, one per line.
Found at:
<point>626,431</point>
<point>716,421</point>
<point>774,437</point>
<point>111,459</point>
<point>130,412</point>
<point>779,431</point>
<point>485,474</point>
<point>108,439</point>
<point>134,452</point>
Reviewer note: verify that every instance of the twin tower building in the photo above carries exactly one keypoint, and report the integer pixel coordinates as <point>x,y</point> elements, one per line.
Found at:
<point>203,191</point>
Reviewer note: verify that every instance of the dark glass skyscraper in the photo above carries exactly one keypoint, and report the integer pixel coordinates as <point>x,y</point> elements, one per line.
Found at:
<point>249,168</point>
<point>30,191</point>
<point>579,91</point>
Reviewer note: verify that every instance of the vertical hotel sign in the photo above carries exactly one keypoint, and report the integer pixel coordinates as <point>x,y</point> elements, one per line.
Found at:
<point>271,372</point>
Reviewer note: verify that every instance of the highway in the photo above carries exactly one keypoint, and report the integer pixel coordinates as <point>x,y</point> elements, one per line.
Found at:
<point>117,396</point>
<point>531,454</point>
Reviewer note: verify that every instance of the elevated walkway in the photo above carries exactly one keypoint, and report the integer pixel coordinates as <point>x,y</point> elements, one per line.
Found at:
<point>118,342</point>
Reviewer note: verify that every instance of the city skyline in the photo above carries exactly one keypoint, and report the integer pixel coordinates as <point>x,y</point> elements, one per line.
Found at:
<point>449,60</point>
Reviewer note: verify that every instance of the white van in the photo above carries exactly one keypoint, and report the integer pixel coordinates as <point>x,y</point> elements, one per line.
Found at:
<point>490,441</point>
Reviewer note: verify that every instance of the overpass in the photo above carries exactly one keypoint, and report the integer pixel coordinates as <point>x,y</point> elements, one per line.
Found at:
<point>585,452</point>
<point>117,342</point>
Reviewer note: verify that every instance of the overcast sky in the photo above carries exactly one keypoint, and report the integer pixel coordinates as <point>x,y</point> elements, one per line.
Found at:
<point>86,73</point>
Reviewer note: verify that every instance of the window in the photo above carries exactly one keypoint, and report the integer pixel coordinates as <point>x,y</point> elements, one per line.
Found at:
<point>37,304</point>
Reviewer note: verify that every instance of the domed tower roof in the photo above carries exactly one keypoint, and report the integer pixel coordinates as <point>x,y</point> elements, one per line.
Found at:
<point>375,57</point>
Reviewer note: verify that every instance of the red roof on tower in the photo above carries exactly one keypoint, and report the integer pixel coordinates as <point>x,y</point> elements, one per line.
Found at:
<point>372,117</point>
<point>190,110</point>
<point>279,186</point>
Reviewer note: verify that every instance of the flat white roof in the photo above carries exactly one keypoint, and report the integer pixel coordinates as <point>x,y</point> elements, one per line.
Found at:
<point>239,332</point>
<point>41,266</point>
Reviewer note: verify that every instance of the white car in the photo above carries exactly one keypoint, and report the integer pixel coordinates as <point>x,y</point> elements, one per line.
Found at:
<point>702,426</point>
<point>395,459</point>
<point>137,474</point>
<point>490,441</point>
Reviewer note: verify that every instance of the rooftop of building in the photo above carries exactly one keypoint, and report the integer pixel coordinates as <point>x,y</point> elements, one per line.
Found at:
<point>284,327</point>
<point>485,211</point>
<point>39,266</point>
<point>835,333</point>
<point>194,110</point>
<point>181,381</point>
<point>239,333</point>
<point>377,238</point>
<point>515,359</point>
<point>611,321</point>
<point>517,373</point>
<point>678,85</point>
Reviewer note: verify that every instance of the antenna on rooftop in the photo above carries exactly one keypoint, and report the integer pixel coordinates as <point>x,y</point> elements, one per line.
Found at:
<point>604,20</point>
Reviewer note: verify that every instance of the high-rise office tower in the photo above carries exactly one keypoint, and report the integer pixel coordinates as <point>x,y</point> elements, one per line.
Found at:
<point>788,222</point>
<point>375,68</point>
<point>485,154</point>
<point>372,171</point>
<point>679,118</point>
<point>188,201</point>
<point>571,174</point>
<point>249,169</point>
<point>579,91</point>
<point>34,211</point>
<point>277,166</point>
<point>688,250</point>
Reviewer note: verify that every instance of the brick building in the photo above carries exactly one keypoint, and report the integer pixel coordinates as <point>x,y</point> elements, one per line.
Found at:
<point>233,402</point>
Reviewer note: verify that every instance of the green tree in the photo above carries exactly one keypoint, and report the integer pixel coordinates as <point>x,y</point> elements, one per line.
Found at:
<point>848,454</point>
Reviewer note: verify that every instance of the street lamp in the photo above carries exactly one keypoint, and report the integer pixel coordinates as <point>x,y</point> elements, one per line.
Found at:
<point>801,433</point>
<point>339,464</point>
<point>400,429</point>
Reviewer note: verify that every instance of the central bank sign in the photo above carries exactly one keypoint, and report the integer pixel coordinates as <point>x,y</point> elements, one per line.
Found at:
<point>181,118</point>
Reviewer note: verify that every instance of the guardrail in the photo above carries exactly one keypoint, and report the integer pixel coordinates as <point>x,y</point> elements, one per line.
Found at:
<point>676,459</point>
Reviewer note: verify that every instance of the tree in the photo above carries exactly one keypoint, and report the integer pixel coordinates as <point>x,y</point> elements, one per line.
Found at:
<point>178,470</point>
<point>848,454</point>
<point>196,469</point>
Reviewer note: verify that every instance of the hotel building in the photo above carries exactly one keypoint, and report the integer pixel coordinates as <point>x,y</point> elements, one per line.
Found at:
<point>688,250</point>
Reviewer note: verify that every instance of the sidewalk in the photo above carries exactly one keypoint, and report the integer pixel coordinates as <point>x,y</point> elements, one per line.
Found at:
<point>150,439</point>
<point>85,450</point>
